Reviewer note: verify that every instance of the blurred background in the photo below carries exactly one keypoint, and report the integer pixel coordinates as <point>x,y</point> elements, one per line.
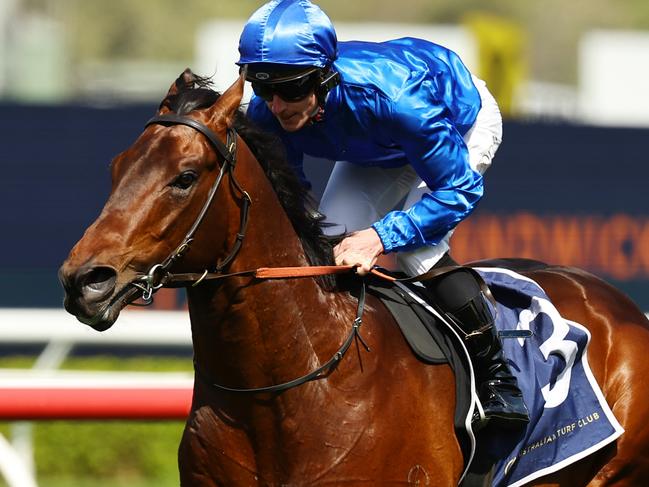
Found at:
<point>78,78</point>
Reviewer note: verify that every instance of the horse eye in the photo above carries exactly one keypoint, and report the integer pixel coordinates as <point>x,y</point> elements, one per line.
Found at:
<point>184,180</point>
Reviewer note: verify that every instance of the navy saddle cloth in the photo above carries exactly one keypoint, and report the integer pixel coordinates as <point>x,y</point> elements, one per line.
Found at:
<point>569,414</point>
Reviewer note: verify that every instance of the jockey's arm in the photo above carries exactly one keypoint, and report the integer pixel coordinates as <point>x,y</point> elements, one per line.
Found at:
<point>439,155</point>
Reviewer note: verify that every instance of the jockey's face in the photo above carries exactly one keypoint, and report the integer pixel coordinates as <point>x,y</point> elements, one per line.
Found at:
<point>293,115</point>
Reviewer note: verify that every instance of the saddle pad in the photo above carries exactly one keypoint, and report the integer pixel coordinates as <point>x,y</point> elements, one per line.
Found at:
<point>570,418</point>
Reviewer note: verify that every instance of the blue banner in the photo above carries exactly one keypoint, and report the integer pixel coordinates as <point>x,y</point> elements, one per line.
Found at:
<point>561,193</point>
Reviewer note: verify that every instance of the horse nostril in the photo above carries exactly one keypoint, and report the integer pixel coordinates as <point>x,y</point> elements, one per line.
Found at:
<point>96,282</point>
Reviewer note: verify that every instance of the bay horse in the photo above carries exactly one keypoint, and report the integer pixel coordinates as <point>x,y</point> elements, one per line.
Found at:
<point>379,416</point>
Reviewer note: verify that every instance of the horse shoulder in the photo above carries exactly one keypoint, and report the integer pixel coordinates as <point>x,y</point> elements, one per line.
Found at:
<point>214,448</point>
<point>413,402</point>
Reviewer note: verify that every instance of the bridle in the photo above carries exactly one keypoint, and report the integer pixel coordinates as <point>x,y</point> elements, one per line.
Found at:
<point>159,275</point>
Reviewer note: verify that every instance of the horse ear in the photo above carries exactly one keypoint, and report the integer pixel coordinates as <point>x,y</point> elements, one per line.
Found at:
<point>184,82</point>
<point>228,103</point>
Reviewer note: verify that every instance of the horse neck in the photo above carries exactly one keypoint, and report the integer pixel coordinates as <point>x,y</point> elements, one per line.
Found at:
<point>250,333</point>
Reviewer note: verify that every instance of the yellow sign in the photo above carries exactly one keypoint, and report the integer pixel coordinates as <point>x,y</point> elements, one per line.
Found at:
<point>502,60</point>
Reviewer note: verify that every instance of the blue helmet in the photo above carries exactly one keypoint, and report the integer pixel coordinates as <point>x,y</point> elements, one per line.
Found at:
<point>288,32</point>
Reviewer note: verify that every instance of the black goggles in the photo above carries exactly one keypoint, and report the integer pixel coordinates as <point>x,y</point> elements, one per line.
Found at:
<point>290,91</point>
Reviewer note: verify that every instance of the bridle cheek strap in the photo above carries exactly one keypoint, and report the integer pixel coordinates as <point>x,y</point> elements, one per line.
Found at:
<point>158,275</point>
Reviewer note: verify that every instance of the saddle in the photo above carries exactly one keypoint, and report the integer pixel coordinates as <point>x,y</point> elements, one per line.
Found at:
<point>419,327</point>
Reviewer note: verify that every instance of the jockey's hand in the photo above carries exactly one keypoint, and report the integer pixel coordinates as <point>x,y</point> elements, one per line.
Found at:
<point>360,249</point>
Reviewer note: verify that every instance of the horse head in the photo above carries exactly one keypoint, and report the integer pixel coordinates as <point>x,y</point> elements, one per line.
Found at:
<point>159,186</point>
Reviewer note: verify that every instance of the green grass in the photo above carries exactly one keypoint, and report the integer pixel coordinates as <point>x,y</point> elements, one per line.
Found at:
<point>93,482</point>
<point>68,482</point>
<point>105,453</point>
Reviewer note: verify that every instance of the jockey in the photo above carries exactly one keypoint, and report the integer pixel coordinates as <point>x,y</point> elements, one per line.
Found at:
<point>408,125</point>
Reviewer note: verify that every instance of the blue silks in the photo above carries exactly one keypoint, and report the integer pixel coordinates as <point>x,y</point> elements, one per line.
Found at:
<point>406,101</point>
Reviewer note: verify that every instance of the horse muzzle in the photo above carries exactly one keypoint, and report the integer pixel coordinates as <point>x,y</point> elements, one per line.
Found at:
<point>90,294</point>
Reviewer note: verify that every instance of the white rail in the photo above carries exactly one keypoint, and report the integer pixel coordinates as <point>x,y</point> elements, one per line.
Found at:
<point>59,332</point>
<point>155,328</point>
<point>44,390</point>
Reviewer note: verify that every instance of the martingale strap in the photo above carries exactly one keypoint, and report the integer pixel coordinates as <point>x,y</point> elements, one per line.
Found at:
<point>314,271</point>
<point>321,372</point>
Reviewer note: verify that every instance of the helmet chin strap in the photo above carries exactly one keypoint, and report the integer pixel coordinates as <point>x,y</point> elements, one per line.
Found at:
<point>329,81</point>
<point>316,110</point>
<point>318,114</point>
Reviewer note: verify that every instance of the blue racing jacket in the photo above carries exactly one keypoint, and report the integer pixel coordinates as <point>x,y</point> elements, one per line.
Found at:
<point>406,101</point>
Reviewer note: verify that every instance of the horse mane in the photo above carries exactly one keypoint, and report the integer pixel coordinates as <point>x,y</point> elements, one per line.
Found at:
<point>271,155</point>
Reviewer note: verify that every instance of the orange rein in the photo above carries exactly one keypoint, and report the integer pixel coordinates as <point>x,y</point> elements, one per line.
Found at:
<point>310,271</point>
<point>193,279</point>
<point>297,272</point>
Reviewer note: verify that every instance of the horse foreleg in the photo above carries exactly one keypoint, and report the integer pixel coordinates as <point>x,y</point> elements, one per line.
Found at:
<point>211,454</point>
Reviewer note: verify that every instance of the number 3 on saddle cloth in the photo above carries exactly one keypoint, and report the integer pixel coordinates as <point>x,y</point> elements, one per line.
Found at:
<point>569,417</point>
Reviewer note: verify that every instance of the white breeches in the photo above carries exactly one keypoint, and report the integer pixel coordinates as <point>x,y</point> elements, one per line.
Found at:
<point>356,196</point>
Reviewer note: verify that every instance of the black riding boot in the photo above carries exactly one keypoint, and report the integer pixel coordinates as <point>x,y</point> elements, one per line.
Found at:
<point>458,294</point>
